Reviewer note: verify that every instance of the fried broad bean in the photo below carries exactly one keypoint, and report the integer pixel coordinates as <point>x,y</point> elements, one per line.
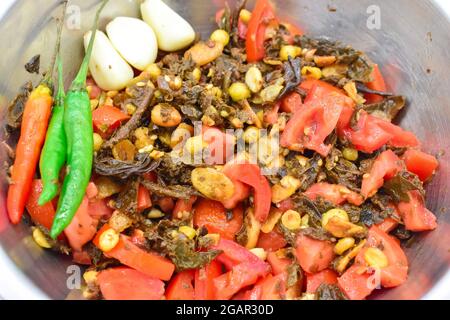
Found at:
<point>124,151</point>
<point>213,184</point>
<point>165,115</point>
<point>204,52</point>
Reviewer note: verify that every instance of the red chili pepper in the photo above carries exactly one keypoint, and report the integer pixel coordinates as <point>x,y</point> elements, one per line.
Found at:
<point>32,136</point>
<point>144,200</point>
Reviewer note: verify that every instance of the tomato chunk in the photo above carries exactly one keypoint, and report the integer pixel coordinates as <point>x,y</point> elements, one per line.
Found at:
<point>250,174</point>
<point>420,163</point>
<point>278,264</point>
<point>334,193</point>
<point>385,167</point>
<point>127,284</point>
<point>415,215</point>
<point>314,280</point>
<point>313,255</point>
<point>355,283</point>
<point>183,205</point>
<point>271,241</point>
<point>261,16</point>
<point>396,272</point>
<point>181,286</point>
<point>291,103</point>
<point>42,215</point>
<point>133,256</point>
<point>377,84</point>
<point>107,118</point>
<point>144,201</point>
<point>213,215</point>
<point>314,122</point>
<point>204,280</point>
<point>234,254</point>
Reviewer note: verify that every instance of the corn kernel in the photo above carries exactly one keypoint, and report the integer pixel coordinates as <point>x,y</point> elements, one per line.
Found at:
<point>289,51</point>
<point>245,15</point>
<point>254,79</point>
<point>376,258</point>
<point>251,134</point>
<point>188,231</point>
<point>239,91</point>
<point>291,219</point>
<point>98,141</point>
<point>196,74</point>
<point>40,239</point>
<point>220,36</point>
<point>314,72</point>
<point>131,109</point>
<point>305,221</point>
<point>90,276</point>
<point>108,240</point>
<point>94,104</point>
<point>350,154</point>
<point>260,253</point>
<point>112,94</point>
<point>352,92</point>
<point>154,71</point>
<point>195,144</point>
<point>343,245</point>
<point>339,213</point>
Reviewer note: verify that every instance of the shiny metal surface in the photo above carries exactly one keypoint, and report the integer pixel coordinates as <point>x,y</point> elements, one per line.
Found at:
<point>411,45</point>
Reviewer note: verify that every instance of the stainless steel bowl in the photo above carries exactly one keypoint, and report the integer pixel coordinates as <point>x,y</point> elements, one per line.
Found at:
<point>411,45</point>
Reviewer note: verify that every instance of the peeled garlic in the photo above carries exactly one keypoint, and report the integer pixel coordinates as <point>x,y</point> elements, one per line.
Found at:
<point>109,70</point>
<point>134,40</point>
<point>172,31</point>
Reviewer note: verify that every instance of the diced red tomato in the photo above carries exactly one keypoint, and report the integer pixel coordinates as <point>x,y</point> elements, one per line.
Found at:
<point>314,122</point>
<point>82,257</point>
<point>127,284</point>
<point>293,31</point>
<point>271,241</point>
<point>396,272</point>
<point>261,17</point>
<point>213,215</point>
<point>250,174</point>
<point>385,167</point>
<point>334,193</point>
<point>239,277</point>
<point>420,163</point>
<point>271,114</point>
<point>42,215</point>
<point>99,209</point>
<point>82,228</point>
<point>388,225</point>
<point>183,205</point>
<point>279,265</point>
<point>355,283</point>
<point>377,84</point>
<point>313,255</point>
<point>108,118</point>
<point>291,103</point>
<point>220,145</point>
<point>242,30</point>
<point>415,215</point>
<point>314,280</point>
<point>150,176</point>
<point>286,205</point>
<point>181,286</point>
<point>204,280</point>
<point>241,192</point>
<point>372,133</point>
<point>133,256</point>
<point>269,288</point>
<point>94,90</point>
<point>144,200</point>
<point>234,254</point>
<point>166,204</point>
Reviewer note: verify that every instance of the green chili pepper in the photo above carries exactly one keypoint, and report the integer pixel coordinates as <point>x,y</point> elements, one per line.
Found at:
<point>54,152</point>
<point>80,145</point>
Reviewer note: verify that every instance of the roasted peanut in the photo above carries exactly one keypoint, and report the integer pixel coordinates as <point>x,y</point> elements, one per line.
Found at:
<point>165,115</point>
